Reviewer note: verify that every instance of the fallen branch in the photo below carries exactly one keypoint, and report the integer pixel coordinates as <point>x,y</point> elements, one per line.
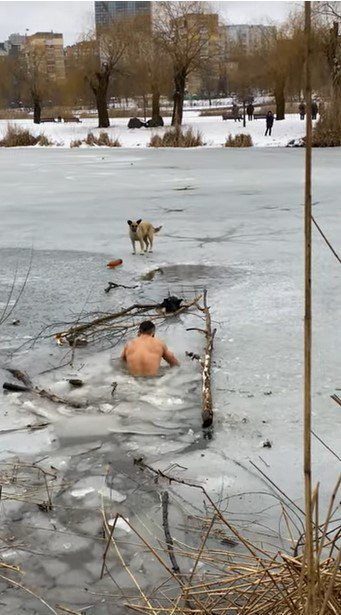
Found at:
<point>112,285</point>
<point>29,388</point>
<point>116,323</point>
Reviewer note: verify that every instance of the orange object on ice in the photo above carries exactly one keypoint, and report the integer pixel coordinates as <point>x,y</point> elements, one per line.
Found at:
<point>113,264</point>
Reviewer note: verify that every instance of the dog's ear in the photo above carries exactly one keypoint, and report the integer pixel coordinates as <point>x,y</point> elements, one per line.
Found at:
<point>139,221</point>
<point>129,222</point>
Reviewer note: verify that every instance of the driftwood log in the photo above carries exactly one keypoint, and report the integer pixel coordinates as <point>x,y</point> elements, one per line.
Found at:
<point>207,405</point>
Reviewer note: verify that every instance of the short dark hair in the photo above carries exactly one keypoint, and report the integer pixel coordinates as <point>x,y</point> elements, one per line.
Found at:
<point>147,327</point>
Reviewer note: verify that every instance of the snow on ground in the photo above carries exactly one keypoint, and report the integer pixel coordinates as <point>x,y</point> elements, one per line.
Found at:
<point>214,130</point>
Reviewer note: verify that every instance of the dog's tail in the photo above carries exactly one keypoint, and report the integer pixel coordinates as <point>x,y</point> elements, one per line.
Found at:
<point>157,229</point>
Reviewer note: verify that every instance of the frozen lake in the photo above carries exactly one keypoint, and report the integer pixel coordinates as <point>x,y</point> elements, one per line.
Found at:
<point>233,223</point>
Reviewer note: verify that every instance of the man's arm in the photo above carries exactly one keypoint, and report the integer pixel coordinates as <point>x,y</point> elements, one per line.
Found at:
<point>169,357</point>
<point>123,355</point>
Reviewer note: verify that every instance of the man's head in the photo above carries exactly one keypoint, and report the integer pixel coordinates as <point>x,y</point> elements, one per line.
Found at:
<point>147,327</point>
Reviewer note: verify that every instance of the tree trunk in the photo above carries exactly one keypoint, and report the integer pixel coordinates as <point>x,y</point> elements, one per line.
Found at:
<point>155,101</point>
<point>244,114</point>
<point>179,95</point>
<point>36,110</point>
<point>334,65</point>
<point>100,90</point>
<point>102,110</point>
<point>280,101</point>
<point>144,99</point>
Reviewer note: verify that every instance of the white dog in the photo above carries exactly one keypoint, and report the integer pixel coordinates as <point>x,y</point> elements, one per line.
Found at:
<point>143,232</point>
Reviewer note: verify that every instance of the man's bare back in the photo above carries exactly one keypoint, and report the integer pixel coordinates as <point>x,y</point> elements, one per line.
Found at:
<point>143,355</point>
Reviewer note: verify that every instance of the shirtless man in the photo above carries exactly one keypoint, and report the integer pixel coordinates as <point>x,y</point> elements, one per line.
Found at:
<point>143,355</point>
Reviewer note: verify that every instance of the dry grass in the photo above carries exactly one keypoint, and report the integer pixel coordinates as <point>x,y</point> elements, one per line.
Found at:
<point>177,137</point>
<point>103,139</point>
<point>44,141</point>
<point>76,143</point>
<point>211,580</point>
<point>240,140</point>
<point>17,136</point>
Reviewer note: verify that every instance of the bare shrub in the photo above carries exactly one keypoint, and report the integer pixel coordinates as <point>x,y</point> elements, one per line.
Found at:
<point>90,139</point>
<point>176,137</point>
<point>106,140</point>
<point>44,141</point>
<point>102,140</point>
<point>76,143</point>
<point>241,140</point>
<point>155,141</point>
<point>327,131</point>
<point>18,137</point>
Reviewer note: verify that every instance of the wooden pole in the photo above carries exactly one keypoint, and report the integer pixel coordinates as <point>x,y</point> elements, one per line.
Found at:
<point>207,405</point>
<point>310,606</point>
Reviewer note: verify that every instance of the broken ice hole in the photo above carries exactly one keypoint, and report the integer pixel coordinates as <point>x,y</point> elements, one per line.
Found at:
<point>194,275</point>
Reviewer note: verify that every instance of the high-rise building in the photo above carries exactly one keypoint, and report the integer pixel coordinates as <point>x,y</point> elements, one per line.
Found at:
<point>106,12</point>
<point>13,45</point>
<point>245,36</point>
<point>47,48</point>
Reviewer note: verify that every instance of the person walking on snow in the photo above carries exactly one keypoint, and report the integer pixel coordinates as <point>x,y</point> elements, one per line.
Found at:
<point>314,110</point>
<point>302,110</point>
<point>235,112</point>
<point>269,123</point>
<point>250,111</point>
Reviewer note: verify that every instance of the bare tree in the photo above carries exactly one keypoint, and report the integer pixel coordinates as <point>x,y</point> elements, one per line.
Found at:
<point>327,22</point>
<point>151,69</point>
<point>183,31</point>
<point>32,70</point>
<point>278,60</point>
<point>106,56</point>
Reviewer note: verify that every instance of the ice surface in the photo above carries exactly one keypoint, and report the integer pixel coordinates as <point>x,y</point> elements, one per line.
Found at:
<point>239,232</point>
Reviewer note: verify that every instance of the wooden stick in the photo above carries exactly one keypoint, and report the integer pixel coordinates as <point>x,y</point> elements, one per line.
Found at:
<point>336,398</point>
<point>168,537</point>
<point>310,606</point>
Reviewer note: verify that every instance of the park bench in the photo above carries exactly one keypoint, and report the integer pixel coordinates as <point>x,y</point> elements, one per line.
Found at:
<point>259,116</point>
<point>43,120</point>
<point>67,120</point>
<point>226,115</point>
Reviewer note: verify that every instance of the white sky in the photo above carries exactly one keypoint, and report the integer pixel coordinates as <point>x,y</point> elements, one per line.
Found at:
<point>73,18</point>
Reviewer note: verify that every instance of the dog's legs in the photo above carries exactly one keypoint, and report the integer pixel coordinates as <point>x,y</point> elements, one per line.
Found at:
<point>141,246</point>
<point>151,243</point>
<point>146,243</point>
<point>133,244</point>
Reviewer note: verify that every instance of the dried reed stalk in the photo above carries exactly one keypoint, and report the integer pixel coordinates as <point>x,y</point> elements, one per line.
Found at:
<point>310,607</point>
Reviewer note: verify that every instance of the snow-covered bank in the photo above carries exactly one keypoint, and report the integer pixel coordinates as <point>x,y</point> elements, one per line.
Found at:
<point>214,130</point>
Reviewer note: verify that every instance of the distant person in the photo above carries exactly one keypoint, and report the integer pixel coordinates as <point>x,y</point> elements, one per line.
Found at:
<point>314,110</point>
<point>302,110</point>
<point>269,123</point>
<point>235,112</point>
<point>250,111</point>
<point>143,354</point>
